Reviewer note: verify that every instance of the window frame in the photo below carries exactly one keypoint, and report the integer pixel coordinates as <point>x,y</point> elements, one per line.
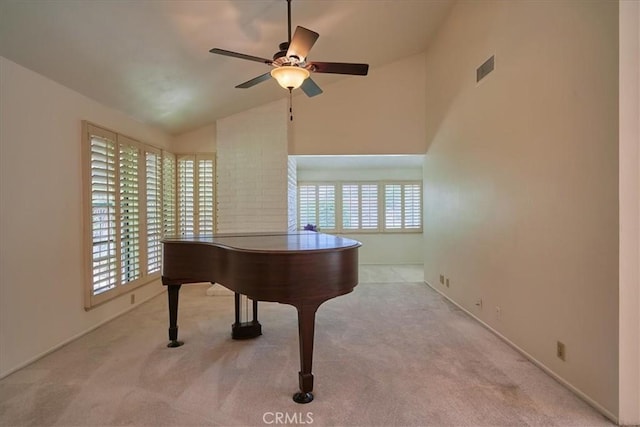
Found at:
<point>317,210</point>
<point>381,206</point>
<point>164,219</point>
<point>361,228</point>
<point>89,131</point>
<point>403,200</point>
<point>196,185</point>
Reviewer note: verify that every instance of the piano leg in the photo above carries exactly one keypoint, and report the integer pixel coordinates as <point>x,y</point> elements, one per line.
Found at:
<point>172,292</point>
<point>306,325</point>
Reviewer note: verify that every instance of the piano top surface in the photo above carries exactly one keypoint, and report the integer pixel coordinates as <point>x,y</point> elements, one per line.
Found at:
<point>294,241</point>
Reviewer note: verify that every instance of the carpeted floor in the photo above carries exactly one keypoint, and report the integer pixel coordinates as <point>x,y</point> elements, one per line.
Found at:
<point>392,353</point>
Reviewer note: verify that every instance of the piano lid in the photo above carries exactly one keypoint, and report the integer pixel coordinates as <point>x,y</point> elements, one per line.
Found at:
<point>294,241</point>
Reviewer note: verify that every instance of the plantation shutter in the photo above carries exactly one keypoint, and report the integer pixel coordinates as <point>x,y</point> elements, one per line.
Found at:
<point>327,207</point>
<point>393,206</point>
<point>412,206</point>
<point>366,206</point>
<point>369,206</point>
<point>186,195</point>
<point>129,210</point>
<point>403,206</point>
<point>206,199</point>
<point>154,210</point>
<point>103,210</point>
<point>307,205</point>
<point>360,207</point>
<point>130,203</point>
<point>168,194</point>
<point>317,206</point>
<point>196,193</point>
<point>350,207</point>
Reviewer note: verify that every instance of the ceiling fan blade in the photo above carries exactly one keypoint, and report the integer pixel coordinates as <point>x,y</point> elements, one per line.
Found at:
<point>302,42</point>
<point>240,55</point>
<point>254,81</point>
<point>339,68</point>
<point>310,88</point>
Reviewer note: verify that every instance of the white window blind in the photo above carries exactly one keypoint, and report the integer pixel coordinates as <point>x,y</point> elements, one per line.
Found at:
<point>168,193</point>
<point>307,205</point>
<point>129,235</point>
<point>123,181</point>
<point>393,206</point>
<point>327,207</point>
<point>317,206</point>
<point>412,206</point>
<point>103,211</point>
<point>186,195</point>
<point>196,193</point>
<point>153,173</point>
<point>369,206</point>
<point>403,206</point>
<point>206,201</point>
<point>350,207</point>
<point>360,207</point>
<point>374,206</point>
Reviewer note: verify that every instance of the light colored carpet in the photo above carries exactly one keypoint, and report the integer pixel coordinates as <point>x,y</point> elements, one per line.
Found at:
<point>389,354</point>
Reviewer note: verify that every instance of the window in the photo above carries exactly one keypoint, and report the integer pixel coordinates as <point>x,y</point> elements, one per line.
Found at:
<point>376,206</point>
<point>360,207</point>
<point>153,158</point>
<point>103,210</point>
<point>122,179</point>
<point>168,194</point>
<point>129,210</point>
<point>195,193</point>
<point>206,176</point>
<point>317,205</point>
<point>136,194</point>
<point>402,206</point>
<point>186,195</point>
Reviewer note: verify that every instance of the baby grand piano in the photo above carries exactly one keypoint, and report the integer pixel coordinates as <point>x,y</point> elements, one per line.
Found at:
<point>303,269</point>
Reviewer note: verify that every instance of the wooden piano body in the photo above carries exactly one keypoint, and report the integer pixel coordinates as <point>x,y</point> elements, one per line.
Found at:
<point>303,269</point>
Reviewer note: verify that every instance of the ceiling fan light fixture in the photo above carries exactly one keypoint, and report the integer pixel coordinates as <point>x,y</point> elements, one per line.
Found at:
<point>289,76</point>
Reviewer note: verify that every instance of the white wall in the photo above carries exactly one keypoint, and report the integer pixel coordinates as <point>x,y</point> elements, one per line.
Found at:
<point>382,113</point>
<point>521,180</point>
<point>41,260</point>
<point>629,213</point>
<point>252,172</point>
<point>391,248</point>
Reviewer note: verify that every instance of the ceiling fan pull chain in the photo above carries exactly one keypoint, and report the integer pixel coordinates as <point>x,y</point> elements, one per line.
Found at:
<point>290,104</point>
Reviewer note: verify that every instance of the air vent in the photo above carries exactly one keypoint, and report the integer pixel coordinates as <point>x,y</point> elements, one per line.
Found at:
<point>485,68</point>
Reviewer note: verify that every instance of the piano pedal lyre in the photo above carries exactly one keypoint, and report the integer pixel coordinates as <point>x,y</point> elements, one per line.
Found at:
<point>249,329</point>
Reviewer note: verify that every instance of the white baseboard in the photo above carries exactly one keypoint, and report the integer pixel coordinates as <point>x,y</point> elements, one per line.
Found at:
<point>533,360</point>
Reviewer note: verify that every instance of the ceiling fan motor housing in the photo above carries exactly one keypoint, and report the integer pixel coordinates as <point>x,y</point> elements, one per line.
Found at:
<point>280,58</point>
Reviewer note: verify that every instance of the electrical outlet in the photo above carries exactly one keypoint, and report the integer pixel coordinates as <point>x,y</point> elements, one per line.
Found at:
<point>498,312</point>
<point>133,298</point>
<point>442,279</point>
<point>447,281</point>
<point>479,303</point>
<point>561,351</point>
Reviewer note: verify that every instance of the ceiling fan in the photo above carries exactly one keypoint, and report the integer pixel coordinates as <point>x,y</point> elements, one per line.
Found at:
<point>290,66</point>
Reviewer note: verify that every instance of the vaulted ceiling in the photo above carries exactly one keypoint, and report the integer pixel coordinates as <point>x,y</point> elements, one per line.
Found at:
<point>151,60</point>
